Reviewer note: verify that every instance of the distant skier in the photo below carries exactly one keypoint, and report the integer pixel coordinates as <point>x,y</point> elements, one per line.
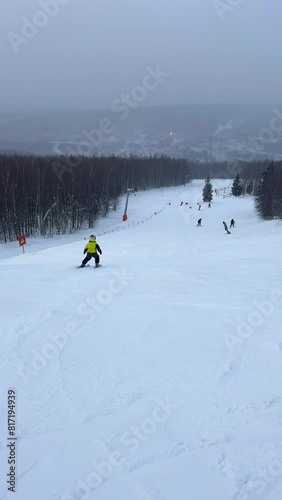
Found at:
<point>232,223</point>
<point>199,222</point>
<point>91,248</point>
<point>226,228</point>
<point>209,205</point>
<point>181,203</point>
<point>199,206</point>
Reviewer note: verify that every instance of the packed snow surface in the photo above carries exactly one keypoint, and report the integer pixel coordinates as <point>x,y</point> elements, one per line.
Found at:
<point>157,376</point>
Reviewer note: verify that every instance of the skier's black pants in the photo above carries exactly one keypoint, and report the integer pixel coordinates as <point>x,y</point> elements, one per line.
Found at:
<point>89,257</point>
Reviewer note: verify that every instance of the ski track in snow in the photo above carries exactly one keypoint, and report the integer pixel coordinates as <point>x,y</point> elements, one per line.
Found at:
<point>153,367</point>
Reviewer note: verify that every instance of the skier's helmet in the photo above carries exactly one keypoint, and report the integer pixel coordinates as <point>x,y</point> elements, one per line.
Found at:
<point>92,236</point>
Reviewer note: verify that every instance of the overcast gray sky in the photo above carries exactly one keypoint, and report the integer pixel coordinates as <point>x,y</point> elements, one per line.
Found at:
<point>92,51</point>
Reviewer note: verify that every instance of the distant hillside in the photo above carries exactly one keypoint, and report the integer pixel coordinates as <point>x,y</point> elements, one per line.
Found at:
<point>222,131</point>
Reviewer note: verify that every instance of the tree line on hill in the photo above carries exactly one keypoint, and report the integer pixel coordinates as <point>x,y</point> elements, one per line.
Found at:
<point>268,199</point>
<point>48,195</point>
<point>57,195</point>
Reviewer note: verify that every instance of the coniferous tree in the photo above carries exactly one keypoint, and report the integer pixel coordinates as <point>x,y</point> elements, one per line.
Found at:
<point>237,186</point>
<point>265,199</point>
<point>250,187</point>
<point>207,191</point>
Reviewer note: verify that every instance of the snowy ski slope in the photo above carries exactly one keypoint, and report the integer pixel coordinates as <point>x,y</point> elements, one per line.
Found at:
<point>157,376</point>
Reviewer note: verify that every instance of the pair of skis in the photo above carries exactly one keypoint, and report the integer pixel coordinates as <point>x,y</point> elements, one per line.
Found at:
<point>88,265</point>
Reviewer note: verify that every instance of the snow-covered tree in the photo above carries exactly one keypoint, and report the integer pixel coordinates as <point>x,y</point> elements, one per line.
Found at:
<point>269,195</point>
<point>207,191</point>
<point>237,186</point>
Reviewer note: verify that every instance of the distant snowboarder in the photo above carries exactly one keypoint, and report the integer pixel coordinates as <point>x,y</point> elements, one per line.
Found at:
<point>226,228</point>
<point>91,248</point>
<point>199,222</point>
<point>232,223</point>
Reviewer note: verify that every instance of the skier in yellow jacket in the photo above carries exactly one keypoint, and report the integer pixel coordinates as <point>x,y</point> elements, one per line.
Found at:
<point>91,248</point>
